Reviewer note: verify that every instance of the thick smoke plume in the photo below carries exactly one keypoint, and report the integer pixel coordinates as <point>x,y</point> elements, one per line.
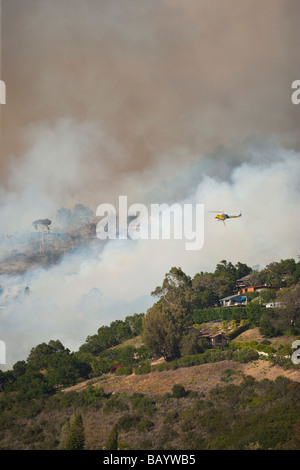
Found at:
<point>162,101</point>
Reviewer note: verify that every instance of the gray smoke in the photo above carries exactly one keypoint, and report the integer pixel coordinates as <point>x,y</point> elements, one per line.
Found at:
<point>162,101</point>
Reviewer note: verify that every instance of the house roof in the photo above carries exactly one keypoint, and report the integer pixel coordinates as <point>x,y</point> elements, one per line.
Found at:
<point>262,286</point>
<point>244,278</point>
<point>206,335</point>
<point>236,297</point>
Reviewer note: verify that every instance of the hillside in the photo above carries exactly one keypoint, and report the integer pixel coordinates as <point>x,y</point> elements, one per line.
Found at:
<point>222,405</point>
<point>200,378</point>
<point>187,374</point>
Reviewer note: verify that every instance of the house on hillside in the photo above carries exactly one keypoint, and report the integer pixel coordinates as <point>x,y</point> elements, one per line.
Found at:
<point>274,304</point>
<point>243,287</point>
<point>216,340</point>
<point>234,300</point>
<point>243,290</point>
<point>241,298</point>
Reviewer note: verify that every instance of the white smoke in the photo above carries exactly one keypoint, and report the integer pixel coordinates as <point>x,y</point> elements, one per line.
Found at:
<point>91,287</point>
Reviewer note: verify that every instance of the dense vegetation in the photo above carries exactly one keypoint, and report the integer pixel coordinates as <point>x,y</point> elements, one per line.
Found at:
<point>245,415</point>
<point>36,413</point>
<point>182,301</point>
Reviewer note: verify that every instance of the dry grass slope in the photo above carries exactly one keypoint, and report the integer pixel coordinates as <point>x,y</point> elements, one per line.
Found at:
<point>200,378</point>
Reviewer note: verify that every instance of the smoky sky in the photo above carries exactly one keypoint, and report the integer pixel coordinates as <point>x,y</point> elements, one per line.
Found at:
<point>162,101</point>
<point>165,81</point>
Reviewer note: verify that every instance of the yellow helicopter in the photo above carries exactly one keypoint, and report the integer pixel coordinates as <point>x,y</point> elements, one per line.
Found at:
<point>222,216</point>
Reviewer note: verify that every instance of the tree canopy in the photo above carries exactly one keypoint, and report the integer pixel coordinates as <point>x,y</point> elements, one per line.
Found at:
<point>180,299</point>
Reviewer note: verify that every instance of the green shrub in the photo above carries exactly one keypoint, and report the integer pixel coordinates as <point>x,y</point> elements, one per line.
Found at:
<point>235,333</point>
<point>145,425</point>
<point>115,403</point>
<point>245,355</point>
<point>178,391</point>
<point>191,360</point>
<point>160,367</point>
<point>127,421</point>
<point>213,355</point>
<point>253,345</point>
<point>265,348</point>
<point>228,375</point>
<point>143,369</point>
<point>171,417</point>
<point>227,354</point>
<point>143,405</point>
<point>173,365</point>
<point>124,370</point>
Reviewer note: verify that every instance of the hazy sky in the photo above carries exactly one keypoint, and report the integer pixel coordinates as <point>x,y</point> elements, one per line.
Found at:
<point>163,101</point>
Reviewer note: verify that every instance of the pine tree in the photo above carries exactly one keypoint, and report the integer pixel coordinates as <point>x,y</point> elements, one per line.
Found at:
<point>112,441</point>
<point>64,435</point>
<point>75,439</point>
